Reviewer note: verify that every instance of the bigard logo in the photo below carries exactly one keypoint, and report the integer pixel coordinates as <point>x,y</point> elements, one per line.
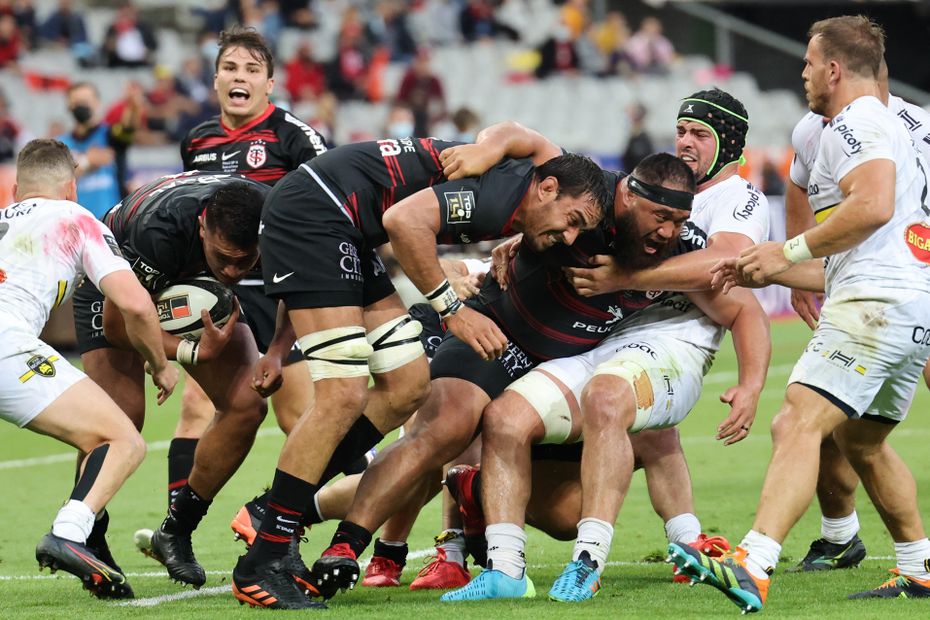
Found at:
<point>917,237</point>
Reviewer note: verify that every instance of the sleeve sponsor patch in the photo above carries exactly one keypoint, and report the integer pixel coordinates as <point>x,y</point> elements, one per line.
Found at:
<point>459,206</point>
<point>112,244</point>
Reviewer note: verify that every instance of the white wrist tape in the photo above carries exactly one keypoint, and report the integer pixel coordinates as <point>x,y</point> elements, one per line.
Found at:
<point>796,249</point>
<point>444,300</point>
<point>187,352</point>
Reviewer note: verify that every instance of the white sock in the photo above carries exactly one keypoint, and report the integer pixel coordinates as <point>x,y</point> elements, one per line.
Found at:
<point>506,542</point>
<point>762,554</point>
<point>913,558</point>
<point>74,522</point>
<point>594,536</point>
<point>683,529</point>
<point>839,531</point>
<point>454,547</point>
<point>316,505</point>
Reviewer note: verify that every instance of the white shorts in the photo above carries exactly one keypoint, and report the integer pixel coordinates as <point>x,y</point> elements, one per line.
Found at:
<point>869,354</point>
<point>666,375</point>
<point>32,378</point>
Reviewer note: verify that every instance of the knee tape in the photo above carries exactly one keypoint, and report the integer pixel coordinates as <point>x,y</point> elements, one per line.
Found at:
<point>337,353</point>
<point>395,343</point>
<point>639,381</point>
<point>550,404</point>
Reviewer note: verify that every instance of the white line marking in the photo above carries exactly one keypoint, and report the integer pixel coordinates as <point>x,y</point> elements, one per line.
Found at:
<point>177,596</point>
<point>69,456</point>
<point>732,376</point>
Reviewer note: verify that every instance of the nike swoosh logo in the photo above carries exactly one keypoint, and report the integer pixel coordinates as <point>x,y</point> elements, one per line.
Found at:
<point>228,155</point>
<point>276,278</point>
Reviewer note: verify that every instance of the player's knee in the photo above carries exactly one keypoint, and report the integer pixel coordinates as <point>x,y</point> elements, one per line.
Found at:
<point>503,422</point>
<point>337,353</point>
<point>137,449</point>
<point>650,446</point>
<point>606,402</point>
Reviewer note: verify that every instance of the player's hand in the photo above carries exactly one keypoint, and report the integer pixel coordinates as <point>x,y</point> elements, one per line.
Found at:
<point>760,262</point>
<point>807,305</point>
<point>467,160</point>
<point>267,377</point>
<point>743,402</point>
<point>604,276</point>
<point>501,256</point>
<point>479,332</point>
<point>214,339</point>
<point>467,286</point>
<point>165,380</point>
<point>726,275</point>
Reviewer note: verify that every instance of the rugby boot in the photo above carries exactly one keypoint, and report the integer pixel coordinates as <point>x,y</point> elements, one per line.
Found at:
<point>173,549</point>
<point>248,520</point>
<point>441,574</point>
<point>337,569</point>
<point>459,480</point>
<point>101,579</point>
<point>825,555</point>
<point>899,586</point>
<point>578,582</point>
<point>711,546</point>
<point>269,585</point>
<point>382,573</point>
<point>490,584</point>
<point>294,564</point>
<point>727,573</point>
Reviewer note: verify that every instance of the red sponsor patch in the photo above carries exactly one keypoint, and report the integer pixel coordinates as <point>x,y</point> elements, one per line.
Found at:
<point>917,237</point>
<point>2,276</point>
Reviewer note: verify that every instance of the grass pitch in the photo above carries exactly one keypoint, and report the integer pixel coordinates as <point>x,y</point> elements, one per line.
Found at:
<point>36,475</point>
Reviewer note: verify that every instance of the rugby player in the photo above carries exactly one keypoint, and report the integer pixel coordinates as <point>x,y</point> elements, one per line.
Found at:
<point>47,244</point>
<point>175,227</point>
<point>856,378</point>
<point>319,231</point>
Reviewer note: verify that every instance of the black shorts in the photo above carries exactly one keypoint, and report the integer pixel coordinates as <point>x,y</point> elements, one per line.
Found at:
<point>313,256</point>
<point>457,360</point>
<point>260,313</point>
<point>433,329</point>
<point>88,318</point>
<point>570,452</point>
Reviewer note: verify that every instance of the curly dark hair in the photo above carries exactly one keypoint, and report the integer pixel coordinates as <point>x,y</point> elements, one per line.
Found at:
<point>235,211</point>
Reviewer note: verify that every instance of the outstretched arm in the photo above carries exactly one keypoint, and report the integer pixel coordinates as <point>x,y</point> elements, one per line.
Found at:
<point>494,143</point>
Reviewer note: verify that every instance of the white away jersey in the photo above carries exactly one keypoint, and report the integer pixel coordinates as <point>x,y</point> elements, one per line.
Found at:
<point>732,206</point>
<point>898,253</point>
<point>46,247</point>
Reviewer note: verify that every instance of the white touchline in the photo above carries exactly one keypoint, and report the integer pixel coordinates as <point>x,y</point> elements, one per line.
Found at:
<point>69,456</point>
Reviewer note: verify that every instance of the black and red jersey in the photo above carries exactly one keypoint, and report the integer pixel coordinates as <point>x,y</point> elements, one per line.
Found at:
<point>366,179</point>
<point>541,311</point>
<point>157,228</point>
<point>264,150</point>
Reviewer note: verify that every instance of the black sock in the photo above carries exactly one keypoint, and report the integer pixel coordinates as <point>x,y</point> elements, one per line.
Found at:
<point>88,477</point>
<point>312,516</point>
<point>395,553</point>
<point>287,503</point>
<point>357,537</point>
<point>186,511</point>
<point>362,437</point>
<point>180,463</point>
<point>260,503</point>
<point>98,533</point>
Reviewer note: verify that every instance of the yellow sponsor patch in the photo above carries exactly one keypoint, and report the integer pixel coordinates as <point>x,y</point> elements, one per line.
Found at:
<point>39,365</point>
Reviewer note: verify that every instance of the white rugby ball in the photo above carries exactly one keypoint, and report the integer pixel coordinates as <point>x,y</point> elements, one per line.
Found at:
<point>179,306</point>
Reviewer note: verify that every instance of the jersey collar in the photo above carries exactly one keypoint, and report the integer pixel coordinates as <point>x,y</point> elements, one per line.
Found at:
<point>258,119</point>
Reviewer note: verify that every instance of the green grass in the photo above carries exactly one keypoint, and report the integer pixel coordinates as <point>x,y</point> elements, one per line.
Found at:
<point>726,482</point>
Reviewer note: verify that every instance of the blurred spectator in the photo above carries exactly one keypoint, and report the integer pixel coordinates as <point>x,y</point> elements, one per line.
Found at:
<point>773,184</point>
<point>467,124</point>
<point>129,42</point>
<point>213,13</point>
<point>10,42</point>
<point>612,36</point>
<point>435,22</point>
<point>96,145</point>
<point>422,91</point>
<point>306,79</point>
<point>400,122</point>
<point>167,103</point>
<point>347,74</point>
<point>298,14</point>
<point>190,81</point>
<point>65,26</point>
<point>557,54</point>
<point>387,27</point>
<point>323,117</point>
<point>640,144</point>
<point>126,116</point>
<point>477,21</point>
<point>12,135</point>
<point>266,17</point>
<point>649,50</point>
<point>590,58</point>
<point>25,14</point>
<point>574,15</point>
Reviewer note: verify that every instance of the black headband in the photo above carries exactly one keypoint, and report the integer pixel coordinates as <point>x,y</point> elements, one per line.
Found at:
<point>662,195</point>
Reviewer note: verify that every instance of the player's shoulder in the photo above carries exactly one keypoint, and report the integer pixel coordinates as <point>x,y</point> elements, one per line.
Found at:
<point>807,131</point>
<point>209,127</point>
<point>283,121</point>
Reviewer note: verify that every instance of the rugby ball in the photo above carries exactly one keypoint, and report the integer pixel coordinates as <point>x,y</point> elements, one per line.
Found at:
<point>179,306</point>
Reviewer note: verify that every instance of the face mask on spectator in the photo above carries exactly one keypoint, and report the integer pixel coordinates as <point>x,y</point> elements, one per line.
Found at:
<point>400,130</point>
<point>82,113</point>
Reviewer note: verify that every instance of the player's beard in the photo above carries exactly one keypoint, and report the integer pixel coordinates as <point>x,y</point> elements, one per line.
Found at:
<point>628,245</point>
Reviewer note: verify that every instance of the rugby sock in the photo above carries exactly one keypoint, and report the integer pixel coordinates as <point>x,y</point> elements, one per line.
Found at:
<point>314,514</point>
<point>683,529</point>
<point>287,502</point>
<point>180,463</point>
<point>395,551</point>
<point>839,531</point>
<point>353,535</point>
<point>97,536</point>
<point>92,465</point>
<point>362,437</point>
<point>594,536</point>
<point>762,554</point>
<point>74,521</point>
<point>506,542</point>
<point>914,558</point>
<point>186,511</point>
<point>454,546</point>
